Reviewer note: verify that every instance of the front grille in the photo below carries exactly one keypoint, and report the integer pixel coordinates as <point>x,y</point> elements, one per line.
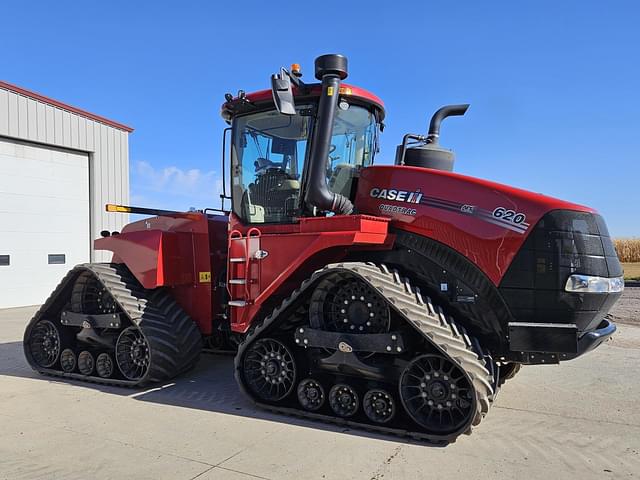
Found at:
<point>562,243</point>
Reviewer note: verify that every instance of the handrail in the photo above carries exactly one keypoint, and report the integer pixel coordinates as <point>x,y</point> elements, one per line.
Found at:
<point>247,272</point>
<point>235,234</point>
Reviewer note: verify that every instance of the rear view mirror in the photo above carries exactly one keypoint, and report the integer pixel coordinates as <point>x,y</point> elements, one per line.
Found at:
<point>283,93</point>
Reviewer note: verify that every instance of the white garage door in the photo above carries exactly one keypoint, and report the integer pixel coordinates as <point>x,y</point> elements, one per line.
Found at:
<point>44,219</point>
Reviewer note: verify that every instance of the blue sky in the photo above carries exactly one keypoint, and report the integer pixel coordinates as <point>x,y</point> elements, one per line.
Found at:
<point>553,86</point>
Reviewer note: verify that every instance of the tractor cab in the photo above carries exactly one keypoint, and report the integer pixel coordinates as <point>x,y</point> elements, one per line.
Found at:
<point>297,150</point>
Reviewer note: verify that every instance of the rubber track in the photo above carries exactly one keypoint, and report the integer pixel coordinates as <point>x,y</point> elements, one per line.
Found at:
<point>419,311</point>
<point>174,339</point>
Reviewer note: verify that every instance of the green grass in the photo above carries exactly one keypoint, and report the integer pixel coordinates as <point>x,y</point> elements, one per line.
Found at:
<point>631,271</point>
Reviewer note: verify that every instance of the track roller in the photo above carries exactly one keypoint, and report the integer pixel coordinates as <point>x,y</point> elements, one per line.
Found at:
<point>311,394</point>
<point>379,406</point>
<point>104,365</point>
<point>68,360</point>
<point>85,363</point>
<point>343,400</point>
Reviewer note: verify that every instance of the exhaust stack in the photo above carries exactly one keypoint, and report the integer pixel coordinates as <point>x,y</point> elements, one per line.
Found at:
<point>331,70</point>
<point>425,151</point>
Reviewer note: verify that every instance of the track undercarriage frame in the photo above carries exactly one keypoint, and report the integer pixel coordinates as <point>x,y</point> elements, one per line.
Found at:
<point>335,370</point>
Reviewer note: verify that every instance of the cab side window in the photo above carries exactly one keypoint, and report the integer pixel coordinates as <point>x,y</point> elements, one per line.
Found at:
<point>353,145</point>
<point>267,159</point>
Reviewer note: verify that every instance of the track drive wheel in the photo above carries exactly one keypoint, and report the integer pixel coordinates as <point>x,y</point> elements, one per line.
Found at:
<point>347,304</point>
<point>90,296</point>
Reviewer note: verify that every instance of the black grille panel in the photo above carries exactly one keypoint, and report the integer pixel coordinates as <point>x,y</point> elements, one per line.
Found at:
<point>562,243</point>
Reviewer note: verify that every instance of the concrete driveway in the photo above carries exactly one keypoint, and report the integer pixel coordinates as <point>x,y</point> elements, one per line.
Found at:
<point>578,420</point>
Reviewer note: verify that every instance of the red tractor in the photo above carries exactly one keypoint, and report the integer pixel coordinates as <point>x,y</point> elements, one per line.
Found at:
<point>395,298</point>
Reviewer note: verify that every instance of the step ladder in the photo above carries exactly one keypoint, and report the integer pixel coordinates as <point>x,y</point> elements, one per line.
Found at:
<point>243,272</point>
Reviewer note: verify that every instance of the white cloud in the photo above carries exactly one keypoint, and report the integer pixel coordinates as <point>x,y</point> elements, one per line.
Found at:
<point>174,185</point>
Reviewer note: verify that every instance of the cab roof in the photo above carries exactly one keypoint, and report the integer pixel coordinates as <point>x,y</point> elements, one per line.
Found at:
<point>262,97</point>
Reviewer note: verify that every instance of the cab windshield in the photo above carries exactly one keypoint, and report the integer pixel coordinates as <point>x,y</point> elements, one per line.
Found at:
<point>268,154</point>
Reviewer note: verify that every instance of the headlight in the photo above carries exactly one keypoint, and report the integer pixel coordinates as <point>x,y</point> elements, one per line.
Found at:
<point>590,284</point>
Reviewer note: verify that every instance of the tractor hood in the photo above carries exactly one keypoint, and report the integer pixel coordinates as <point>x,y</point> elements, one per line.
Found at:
<point>486,221</point>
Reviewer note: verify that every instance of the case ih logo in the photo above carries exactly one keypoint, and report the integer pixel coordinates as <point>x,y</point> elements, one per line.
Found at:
<point>397,195</point>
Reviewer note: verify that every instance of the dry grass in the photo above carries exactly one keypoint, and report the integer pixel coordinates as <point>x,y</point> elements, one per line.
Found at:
<point>628,249</point>
<point>631,271</point>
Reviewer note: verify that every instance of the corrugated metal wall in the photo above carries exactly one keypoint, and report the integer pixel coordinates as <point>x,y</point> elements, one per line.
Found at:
<point>32,120</point>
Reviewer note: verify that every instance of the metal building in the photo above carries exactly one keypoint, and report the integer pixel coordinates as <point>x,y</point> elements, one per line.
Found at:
<point>59,166</point>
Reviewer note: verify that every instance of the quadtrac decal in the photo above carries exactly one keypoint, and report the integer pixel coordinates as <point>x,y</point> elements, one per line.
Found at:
<point>500,216</point>
<point>397,196</point>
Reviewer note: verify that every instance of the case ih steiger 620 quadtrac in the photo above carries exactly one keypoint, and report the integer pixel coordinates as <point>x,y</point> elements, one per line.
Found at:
<point>394,298</point>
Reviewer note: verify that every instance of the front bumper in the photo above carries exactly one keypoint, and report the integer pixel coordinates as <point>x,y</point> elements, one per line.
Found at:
<point>542,343</point>
<point>593,339</point>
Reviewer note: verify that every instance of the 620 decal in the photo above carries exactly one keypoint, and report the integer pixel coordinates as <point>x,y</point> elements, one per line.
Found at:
<point>509,215</point>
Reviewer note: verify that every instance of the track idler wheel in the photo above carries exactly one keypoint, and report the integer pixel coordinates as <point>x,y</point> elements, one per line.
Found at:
<point>343,400</point>
<point>437,394</point>
<point>269,369</point>
<point>86,363</point>
<point>68,360</point>
<point>44,343</point>
<point>379,406</point>
<point>311,394</point>
<point>104,365</point>
<point>133,354</point>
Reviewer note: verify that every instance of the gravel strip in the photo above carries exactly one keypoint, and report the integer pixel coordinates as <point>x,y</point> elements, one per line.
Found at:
<point>627,309</point>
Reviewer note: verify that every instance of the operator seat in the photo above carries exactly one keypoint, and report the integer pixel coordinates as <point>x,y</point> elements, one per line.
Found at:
<point>274,189</point>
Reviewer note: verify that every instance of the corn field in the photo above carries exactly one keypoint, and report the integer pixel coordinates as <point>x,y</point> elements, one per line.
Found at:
<point>628,249</point>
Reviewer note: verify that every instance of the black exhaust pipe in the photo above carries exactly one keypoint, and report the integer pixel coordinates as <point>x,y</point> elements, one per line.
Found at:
<point>441,114</point>
<point>330,69</point>
<point>425,151</point>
